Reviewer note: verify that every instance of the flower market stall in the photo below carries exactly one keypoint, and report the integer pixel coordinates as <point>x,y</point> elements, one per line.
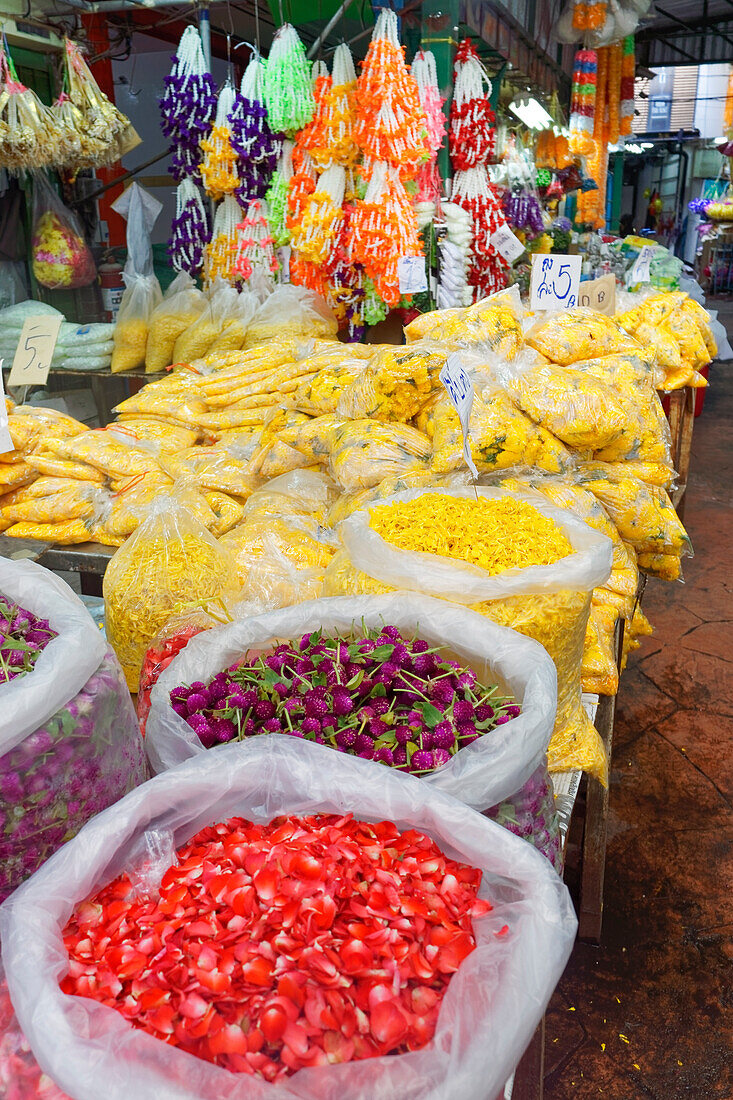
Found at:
<point>295,820</point>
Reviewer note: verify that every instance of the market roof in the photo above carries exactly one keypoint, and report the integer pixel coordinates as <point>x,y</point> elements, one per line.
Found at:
<point>686,32</point>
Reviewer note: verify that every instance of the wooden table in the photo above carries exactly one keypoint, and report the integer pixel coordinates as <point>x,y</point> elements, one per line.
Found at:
<point>88,559</point>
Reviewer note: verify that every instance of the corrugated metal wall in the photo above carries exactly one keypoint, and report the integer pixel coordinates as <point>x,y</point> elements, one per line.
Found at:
<point>683,97</point>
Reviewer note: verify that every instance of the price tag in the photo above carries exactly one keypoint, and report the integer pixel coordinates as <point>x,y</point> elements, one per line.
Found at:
<point>506,244</point>
<point>599,294</point>
<point>6,443</point>
<point>412,275</point>
<point>34,352</point>
<point>555,281</point>
<point>640,272</point>
<point>457,382</point>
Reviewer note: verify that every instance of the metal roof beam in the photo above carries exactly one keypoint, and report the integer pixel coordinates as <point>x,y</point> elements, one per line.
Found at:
<point>694,28</point>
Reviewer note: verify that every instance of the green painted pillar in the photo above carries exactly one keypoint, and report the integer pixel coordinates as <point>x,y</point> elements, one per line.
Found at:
<point>440,22</point>
<point>616,181</point>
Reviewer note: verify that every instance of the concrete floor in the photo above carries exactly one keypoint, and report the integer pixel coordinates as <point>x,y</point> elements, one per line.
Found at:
<point>650,1012</point>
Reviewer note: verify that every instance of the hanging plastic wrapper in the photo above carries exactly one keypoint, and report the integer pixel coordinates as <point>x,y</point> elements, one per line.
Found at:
<point>61,258</point>
<point>187,105</point>
<point>142,289</point>
<point>288,91</point>
<point>251,138</point>
<point>107,133</point>
<point>189,230</point>
<point>219,166</point>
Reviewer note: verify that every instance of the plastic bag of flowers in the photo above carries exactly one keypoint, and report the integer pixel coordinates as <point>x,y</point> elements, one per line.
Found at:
<point>511,556</point>
<point>391,687</point>
<point>230,1017</point>
<point>69,742</point>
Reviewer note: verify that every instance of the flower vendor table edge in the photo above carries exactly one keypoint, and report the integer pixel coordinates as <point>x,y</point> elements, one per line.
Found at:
<point>681,423</point>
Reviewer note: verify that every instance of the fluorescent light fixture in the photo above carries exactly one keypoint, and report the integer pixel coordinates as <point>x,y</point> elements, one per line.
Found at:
<point>631,147</point>
<point>531,113</point>
<point>722,140</point>
<point>647,144</point>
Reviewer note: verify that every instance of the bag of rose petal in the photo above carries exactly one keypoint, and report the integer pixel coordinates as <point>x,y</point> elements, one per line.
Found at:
<point>481,774</point>
<point>491,1004</point>
<point>69,742</point>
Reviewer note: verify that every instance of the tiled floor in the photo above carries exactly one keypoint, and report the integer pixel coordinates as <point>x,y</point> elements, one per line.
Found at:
<point>650,1013</point>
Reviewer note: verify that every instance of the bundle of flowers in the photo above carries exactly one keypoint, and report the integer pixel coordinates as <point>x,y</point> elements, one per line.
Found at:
<point>23,637</point>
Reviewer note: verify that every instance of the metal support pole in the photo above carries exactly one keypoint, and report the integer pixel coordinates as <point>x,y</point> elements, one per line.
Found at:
<point>313,51</point>
<point>205,32</point>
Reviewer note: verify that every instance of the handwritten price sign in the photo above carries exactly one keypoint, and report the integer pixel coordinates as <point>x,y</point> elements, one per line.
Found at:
<point>457,382</point>
<point>641,271</point>
<point>33,355</point>
<point>412,275</point>
<point>599,294</point>
<point>506,244</point>
<point>554,283</point>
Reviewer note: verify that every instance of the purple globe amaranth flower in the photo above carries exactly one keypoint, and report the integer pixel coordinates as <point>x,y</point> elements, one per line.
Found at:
<point>403,734</point>
<point>443,736</point>
<point>293,706</point>
<point>181,709</point>
<point>310,725</point>
<point>316,705</point>
<point>463,711</point>
<point>197,702</point>
<point>484,712</point>
<point>503,720</point>
<point>419,645</point>
<point>264,709</point>
<point>346,739</point>
<point>273,725</point>
<point>363,742</point>
<point>415,719</point>
<point>421,761</point>
<point>281,689</point>
<point>440,757</point>
<point>342,701</point>
<point>197,686</point>
<point>401,655</point>
<point>377,728</point>
<point>384,755</point>
<point>424,664</point>
<point>380,706</point>
<point>391,632</point>
<point>441,693</point>
<point>513,711</point>
<point>467,731</point>
<point>400,755</point>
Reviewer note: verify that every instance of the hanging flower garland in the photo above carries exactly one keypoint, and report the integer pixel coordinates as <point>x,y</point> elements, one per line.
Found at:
<point>589,15</point>
<point>429,185</point>
<point>287,89</point>
<point>385,228</point>
<point>251,138</point>
<point>345,277</point>
<point>277,196</point>
<point>219,167</point>
<point>189,230</point>
<point>103,124</point>
<point>187,105</point>
<point>221,252</point>
<point>27,129</point>
<point>628,69</point>
<point>454,249</point>
<point>472,119</point>
<point>473,191</point>
<point>314,234</point>
<point>332,141</point>
<point>583,103</point>
<point>302,184</point>
<point>390,123</point>
<point>255,259</point>
<point>312,135</point>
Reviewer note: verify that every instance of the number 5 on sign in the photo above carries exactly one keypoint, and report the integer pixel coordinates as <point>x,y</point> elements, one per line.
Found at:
<point>457,382</point>
<point>554,282</point>
<point>33,355</point>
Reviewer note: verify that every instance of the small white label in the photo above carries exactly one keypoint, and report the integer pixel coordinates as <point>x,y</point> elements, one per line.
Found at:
<point>459,385</point>
<point>506,244</point>
<point>554,282</point>
<point>33,355</point>
<point>6,443</point>
<point>412,275</point>
<point>640,272</point>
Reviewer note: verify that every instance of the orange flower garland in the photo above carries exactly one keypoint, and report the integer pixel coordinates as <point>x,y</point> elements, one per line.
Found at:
<point>385,228</point>
<point>315,231</point>
<point>333,140</point>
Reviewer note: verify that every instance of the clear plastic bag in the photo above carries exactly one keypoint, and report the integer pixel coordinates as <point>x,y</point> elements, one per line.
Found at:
<point>290,537</point>
<point>643,514</point>
<point>170,563</point>
<point>530,813</point>
<point>364,452</point>
<point>142,289</point>
<point>69,745</point>
<point>549,603</point>
<point>182,304</point>
<point>321,392</point>
<point>490,1010</point>
<point>599,673</point>
<point>60,256</point>
<point>490,769</point>
<point>494,325</point>
<point>395,384</point>
<point>501,436</point>
<point>218,307</point>
<point>291,311</point>
<point>574,334</point>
